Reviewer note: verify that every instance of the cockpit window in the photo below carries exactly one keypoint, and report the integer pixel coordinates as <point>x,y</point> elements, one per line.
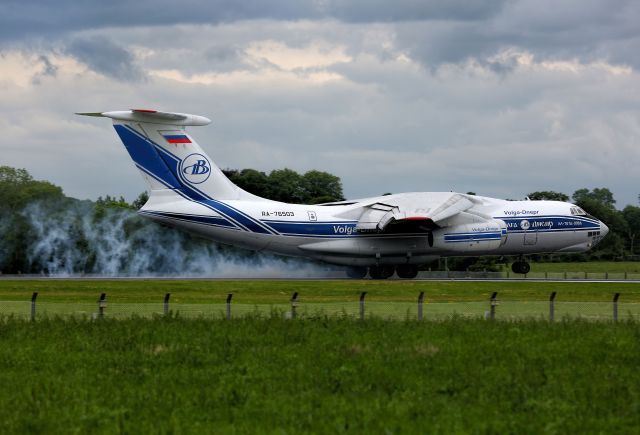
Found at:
<point>577,211</point>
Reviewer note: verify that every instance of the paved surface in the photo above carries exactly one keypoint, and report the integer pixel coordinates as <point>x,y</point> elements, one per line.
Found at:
<point>331,277</point>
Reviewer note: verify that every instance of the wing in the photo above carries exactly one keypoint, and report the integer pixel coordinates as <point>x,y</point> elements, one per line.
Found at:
<point>414,212</point>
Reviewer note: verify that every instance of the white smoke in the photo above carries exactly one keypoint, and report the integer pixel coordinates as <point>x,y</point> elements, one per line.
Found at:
<point>71,239</point>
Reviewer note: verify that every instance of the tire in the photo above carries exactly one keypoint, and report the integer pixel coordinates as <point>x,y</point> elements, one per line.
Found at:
<point>382,271</point>
<point>356,272</point>
<point>521,267</point>
<point>515,267</point>
<point>407,271</point>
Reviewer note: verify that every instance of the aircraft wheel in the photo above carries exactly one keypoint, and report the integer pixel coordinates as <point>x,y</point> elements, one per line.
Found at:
<point>356,272</point>
<point>407,271</point>
<point>521,267</point>
<point>382,271</point>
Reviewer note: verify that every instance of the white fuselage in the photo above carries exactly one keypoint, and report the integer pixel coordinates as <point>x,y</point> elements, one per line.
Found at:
<point>328,232</point>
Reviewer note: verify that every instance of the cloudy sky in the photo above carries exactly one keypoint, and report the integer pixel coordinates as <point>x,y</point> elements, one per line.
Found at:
<point>500,97</point>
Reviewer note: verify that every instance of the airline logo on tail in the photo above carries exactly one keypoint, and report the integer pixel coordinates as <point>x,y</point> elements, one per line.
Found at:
<point>195,168</point>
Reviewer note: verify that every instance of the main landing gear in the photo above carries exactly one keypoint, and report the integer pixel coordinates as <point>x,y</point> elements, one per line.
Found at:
<point>384,271</point>
<point>356,272</point>
<point>521,266</point>
<point>407,271</point>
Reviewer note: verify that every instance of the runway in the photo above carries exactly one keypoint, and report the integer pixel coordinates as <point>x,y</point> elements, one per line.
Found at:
<point>332,277</point>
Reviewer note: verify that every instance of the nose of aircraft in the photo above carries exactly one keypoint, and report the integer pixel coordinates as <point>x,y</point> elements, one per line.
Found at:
<point>604,230</point>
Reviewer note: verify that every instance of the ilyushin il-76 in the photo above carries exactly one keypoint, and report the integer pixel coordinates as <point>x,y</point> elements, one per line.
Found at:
<point>380,236</point>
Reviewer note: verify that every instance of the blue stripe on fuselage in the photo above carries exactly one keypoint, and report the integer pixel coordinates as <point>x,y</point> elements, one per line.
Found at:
<point>550,223</point>
<point>468,237</point>
<point>345,229</point>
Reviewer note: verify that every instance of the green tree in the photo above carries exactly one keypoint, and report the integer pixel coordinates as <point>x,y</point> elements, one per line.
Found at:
<point>600,195</point>
<point>18,188</point>
<point>286,185</point>
<point>548,195</point>
<point>110,202</point>
<point>253,181</point>
<point>321,187</point>
<point>141,200</point>
<point>600,203</point>
<point>631,215</point>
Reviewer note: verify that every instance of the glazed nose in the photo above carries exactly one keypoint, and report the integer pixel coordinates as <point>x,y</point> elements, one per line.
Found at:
<point>604,230</point>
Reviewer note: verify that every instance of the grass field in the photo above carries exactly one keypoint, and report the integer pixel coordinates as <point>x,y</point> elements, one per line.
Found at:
<point>269,375</point>
<point>589,267</point>
<point>264,373</point>
<point>280,291</point>
<point>386,299</point>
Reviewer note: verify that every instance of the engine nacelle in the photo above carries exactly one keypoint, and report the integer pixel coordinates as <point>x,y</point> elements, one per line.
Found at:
<point>485,236</point>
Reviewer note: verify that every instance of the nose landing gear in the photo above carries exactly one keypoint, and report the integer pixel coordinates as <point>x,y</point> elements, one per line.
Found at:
<point>521,266</point>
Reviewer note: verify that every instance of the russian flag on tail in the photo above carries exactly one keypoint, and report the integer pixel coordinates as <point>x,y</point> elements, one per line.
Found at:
<point>176,137</point>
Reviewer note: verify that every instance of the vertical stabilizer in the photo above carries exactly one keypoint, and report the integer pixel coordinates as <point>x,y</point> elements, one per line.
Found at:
<point>168,157</point>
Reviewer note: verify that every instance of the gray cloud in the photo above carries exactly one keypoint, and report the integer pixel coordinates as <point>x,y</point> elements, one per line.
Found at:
<point>585,30</point>
<point>368,11</point>
<point>433,32</point>
<point>48,69</point>
<point>41,17</point>
<point>106,57</point>
<point>426,100</point>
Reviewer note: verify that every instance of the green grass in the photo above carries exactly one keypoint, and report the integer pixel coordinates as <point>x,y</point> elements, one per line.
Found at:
<point>268,375</point>
<point>589,267</point>
<point>385,299</point>
<point>278,292</point>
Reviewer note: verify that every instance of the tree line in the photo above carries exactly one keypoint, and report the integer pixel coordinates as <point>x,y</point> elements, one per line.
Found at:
<point>40,226</point>
<point>43,230</point>
<point>286,185</point>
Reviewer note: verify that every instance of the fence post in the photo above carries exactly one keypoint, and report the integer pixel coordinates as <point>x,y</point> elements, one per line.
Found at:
<point>493,303</point>
<point>552,306</point>
<point>420,302</point>
<point>362,295</point>
<point>102,304</point>
<point>615,306</point>
<point>34,296</point>
<point>294,304</point>
<point>229,297</point>
<point>166,304</point>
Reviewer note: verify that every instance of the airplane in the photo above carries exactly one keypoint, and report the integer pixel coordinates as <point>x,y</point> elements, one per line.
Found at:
<point>378,236</point>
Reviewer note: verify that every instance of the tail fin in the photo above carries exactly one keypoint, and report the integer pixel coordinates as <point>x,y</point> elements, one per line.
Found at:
<point>168,157</point>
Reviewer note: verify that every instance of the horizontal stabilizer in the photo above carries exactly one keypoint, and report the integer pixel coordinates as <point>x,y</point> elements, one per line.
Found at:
<point>152,117</point>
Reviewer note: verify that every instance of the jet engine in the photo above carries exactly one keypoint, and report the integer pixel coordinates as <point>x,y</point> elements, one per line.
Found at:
<point>485,236</point>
